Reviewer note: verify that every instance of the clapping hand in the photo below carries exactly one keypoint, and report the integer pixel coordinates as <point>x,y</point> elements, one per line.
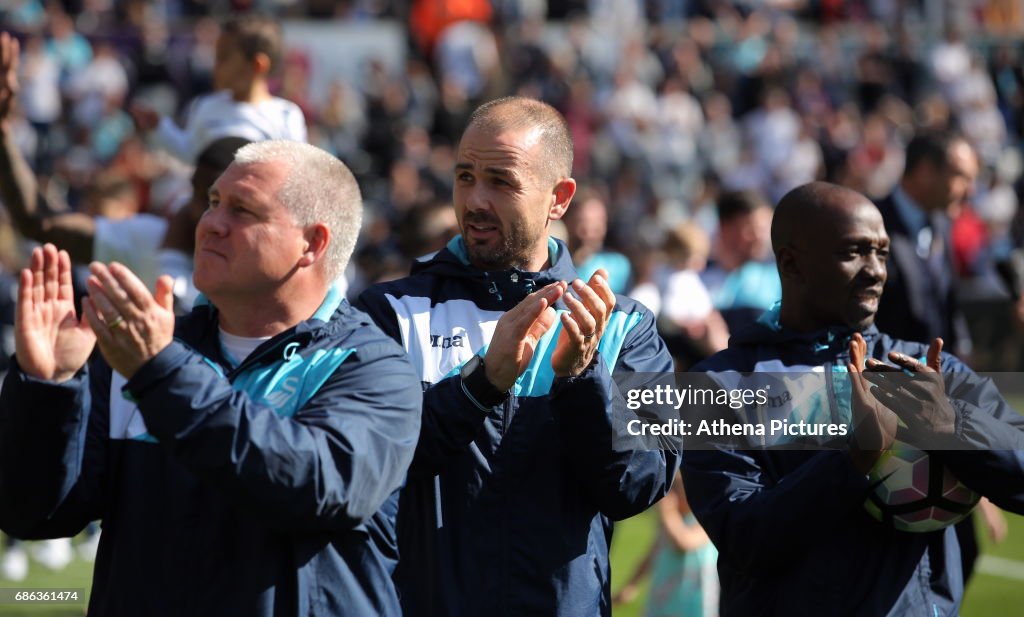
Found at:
<point>132,325</point>
<point>874,425</point>
<point>918,398</point>
<point>517,333</point>
<point>583,325</point>
<point>51,342</point>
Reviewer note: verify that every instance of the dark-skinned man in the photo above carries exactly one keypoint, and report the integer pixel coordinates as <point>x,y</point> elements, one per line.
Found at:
<point>790,524</point>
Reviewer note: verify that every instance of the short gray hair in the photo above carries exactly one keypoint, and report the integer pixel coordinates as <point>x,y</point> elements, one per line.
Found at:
<point>319,189</point>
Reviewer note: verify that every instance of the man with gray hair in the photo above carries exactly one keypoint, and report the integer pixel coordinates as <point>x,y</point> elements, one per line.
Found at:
<point>243,458</point>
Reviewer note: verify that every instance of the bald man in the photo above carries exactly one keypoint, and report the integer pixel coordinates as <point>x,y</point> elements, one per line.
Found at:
<point>790,526</point>
<point>511,496</point>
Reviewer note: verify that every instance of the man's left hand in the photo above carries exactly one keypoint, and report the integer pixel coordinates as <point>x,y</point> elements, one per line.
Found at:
<point>584,324</point>
<point>919,399</point>
<point>131,325</point>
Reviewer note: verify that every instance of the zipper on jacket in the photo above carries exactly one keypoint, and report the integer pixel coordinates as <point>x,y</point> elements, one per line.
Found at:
<point>506,411</point>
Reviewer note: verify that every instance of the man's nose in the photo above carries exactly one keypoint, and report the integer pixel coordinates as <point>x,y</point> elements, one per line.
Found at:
<point>476,199</point>
<point>875,266</point>
<point>212,222</point>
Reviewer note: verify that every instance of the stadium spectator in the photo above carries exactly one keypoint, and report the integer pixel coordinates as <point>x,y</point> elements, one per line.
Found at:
<point>779,517</point>
<point>515,471</point>
<point>741,280</point>
<point>428,229</point>
<point>248,51</point>
<point>90,88</point>
<point>920,300</point>
<point>587,226</point>
<point>689,322</point>
<point>254,439</point>
<point>70,49</point>
<point>40,99</point>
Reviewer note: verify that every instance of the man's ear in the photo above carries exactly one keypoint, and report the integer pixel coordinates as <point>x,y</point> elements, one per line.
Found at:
<point>562,195</point>
<point>788,265</point>
<point>318,238</point>
<point>261,64</point>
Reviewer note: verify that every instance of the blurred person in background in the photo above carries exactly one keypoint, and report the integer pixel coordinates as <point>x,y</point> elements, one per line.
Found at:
<point>920,299</point>
<point>40,99</point>
<point>692,327</point>
<point>742,280</point>
<point>587,225</point>
<point>681,563</point>
<point>427,229</point>
<point>71,50</point>
<point>249,50</point>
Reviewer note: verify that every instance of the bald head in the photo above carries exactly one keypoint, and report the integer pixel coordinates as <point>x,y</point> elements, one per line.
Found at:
<point>547,126</point>
<point>806,211</point>
<point>830,245</point>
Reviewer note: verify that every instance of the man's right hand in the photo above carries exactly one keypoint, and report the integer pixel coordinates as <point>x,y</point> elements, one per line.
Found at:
<point>874,425</point>
<point>50,341</point>
<point>517,333</point>
<point>9,54</point>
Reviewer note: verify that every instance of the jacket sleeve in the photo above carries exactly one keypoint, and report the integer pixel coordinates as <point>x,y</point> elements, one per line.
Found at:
<point>53,453</point>
<point>987,451</point>
<point>759,524</point>
<point>330,466</point>
<point>451,419</point>
<point>622,482</point>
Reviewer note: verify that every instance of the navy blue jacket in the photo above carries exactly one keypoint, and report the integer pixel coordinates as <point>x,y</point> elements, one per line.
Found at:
<point>791,530</point>
<point>265,489</point>
<point>508,511</point>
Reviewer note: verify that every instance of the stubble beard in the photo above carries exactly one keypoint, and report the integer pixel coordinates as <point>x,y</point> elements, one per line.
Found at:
<point>512,251</point>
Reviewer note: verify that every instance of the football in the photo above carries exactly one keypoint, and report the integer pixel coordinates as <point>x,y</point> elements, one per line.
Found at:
<point>911,492</point>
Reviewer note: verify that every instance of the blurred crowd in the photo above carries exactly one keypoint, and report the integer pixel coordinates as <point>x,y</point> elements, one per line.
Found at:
<point>672,103</point>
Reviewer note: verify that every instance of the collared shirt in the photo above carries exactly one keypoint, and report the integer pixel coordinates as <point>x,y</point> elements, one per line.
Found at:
<point>916,221</point>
